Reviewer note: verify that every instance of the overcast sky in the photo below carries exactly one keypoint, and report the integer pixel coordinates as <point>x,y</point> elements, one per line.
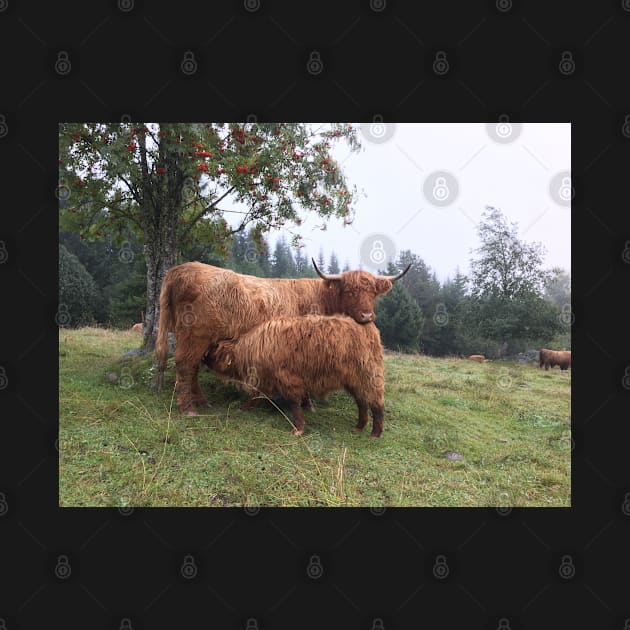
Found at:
<point>426,185</point>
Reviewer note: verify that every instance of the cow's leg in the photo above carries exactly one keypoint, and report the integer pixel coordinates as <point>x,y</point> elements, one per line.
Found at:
<point>188,355</point>
<point>197,395</point>
<point>307,403</point>
<point>183,391</point>
<point>297,417</point>
<point>363,414</point>
<point>377,420</point>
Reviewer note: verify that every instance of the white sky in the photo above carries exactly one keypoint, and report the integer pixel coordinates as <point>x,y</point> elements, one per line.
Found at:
<point>514,176</point>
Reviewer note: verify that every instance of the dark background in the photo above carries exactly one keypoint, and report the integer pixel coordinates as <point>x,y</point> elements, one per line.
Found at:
<point>313,568</point>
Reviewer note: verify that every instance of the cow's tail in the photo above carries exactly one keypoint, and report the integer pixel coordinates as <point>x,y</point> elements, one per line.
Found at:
<point>165,325</point>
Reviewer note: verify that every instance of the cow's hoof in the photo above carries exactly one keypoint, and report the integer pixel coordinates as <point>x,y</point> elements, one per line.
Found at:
<point>298,431</point>
<point>375,435</point>
<point>357,429</point>
<point>190,412</point>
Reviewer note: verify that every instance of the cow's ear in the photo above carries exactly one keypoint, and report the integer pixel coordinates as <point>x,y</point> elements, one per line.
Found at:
<point>383,286</point>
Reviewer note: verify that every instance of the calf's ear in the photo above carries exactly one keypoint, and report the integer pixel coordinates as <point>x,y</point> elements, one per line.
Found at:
<point>383,286</point>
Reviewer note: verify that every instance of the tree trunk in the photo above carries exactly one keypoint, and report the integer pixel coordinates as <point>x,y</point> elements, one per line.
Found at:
<point>160,210</point>
<point>160,256</point>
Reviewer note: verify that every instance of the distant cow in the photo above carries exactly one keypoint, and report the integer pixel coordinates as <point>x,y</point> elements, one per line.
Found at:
<point>294,356</point>
<point>136,328</point>
<point>203,304</point>
<point>549,358</point>
<point>477,357</point>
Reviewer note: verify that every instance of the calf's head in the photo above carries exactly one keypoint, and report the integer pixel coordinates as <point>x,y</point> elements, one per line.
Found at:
<point>220,357</point>
<point>357,291</point>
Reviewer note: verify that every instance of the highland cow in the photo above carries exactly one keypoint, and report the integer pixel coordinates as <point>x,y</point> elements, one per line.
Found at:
<point>293,357</point>
<point>477,357</point>
<point>203,304</point>
<point>549,358</point>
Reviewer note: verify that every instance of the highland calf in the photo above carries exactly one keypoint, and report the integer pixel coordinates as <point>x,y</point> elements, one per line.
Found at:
<point>293,357</point>
<point>549,358</point>
<point>203,304</point>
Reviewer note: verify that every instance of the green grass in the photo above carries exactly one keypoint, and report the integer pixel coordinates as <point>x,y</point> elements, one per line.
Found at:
<point>122,444</point>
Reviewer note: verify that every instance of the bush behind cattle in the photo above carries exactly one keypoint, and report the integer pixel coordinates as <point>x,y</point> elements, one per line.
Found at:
<point>296,356</point>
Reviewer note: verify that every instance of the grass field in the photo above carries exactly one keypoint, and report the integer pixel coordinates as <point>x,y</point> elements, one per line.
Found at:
<point>504,426</point>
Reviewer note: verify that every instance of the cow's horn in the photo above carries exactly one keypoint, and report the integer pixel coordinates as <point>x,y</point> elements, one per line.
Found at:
<point>323,276</point>
<point>397,276</point>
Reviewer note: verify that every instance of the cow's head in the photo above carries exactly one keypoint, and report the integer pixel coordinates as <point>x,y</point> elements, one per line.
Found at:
<point>358,290</point>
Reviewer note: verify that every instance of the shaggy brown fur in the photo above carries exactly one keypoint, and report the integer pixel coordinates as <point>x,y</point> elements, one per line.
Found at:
<point>477,357</point>
<point>136,328</point>
<point>294,356</point>
<point>549,358</point>
<point>202,304</point>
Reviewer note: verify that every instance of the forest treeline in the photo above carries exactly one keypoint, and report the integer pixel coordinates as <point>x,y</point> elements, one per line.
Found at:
<point>507,304</point>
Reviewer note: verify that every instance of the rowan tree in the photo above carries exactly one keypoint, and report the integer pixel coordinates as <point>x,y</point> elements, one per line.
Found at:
<point>167,182</point>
